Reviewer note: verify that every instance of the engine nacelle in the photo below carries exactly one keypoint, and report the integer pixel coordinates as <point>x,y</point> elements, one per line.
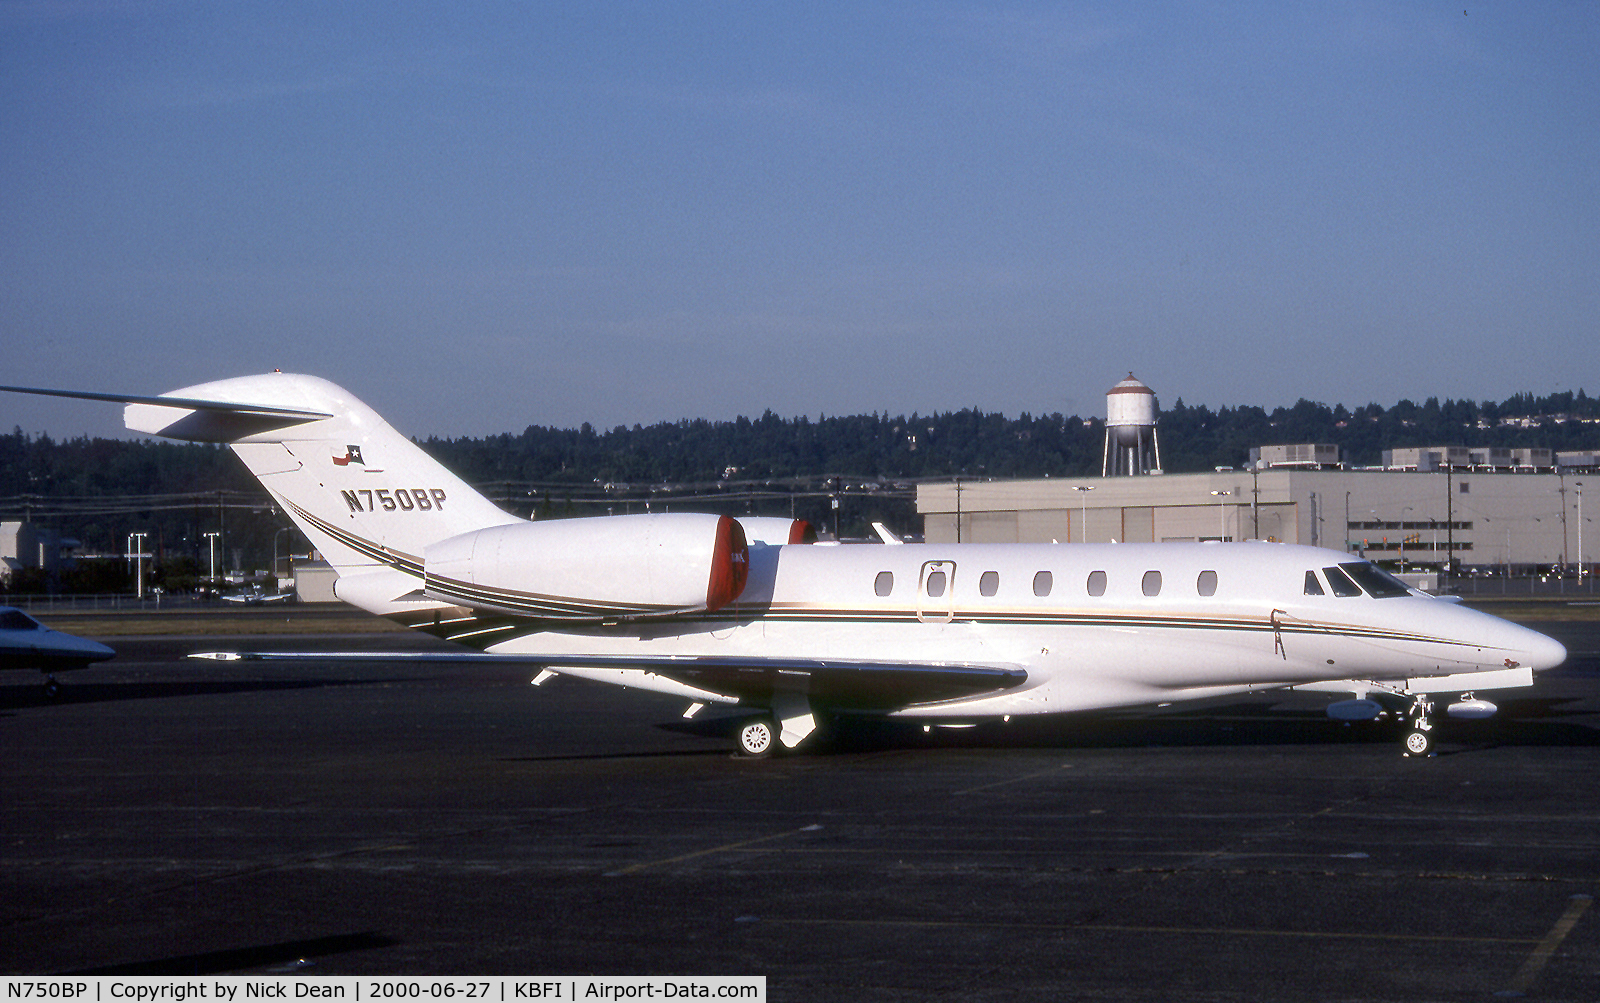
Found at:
<point>609,568</point>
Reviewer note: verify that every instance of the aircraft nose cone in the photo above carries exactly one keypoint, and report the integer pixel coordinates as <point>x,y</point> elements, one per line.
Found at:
<point>70,646</point>
<point>1544,652</point>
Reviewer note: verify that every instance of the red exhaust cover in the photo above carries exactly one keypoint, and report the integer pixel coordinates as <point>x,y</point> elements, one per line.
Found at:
<point>802,531</point>
<point>730,564</point>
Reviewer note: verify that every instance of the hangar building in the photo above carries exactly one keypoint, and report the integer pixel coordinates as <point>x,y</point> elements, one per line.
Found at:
<point>1514,510</point>
<point>1485,519</point>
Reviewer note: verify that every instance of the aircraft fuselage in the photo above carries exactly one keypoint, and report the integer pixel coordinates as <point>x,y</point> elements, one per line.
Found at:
<point>1093,626</point>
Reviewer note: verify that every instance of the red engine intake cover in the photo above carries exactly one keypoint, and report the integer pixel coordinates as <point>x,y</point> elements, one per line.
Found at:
<point>730,565</point>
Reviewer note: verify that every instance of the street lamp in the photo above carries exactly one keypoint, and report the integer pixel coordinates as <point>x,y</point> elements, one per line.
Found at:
<point>1403,538</point>
<point>275,537</point>
<point>212,536</point>
<point>136,551</point>
<point>1580,532</point>
<point>1222,515</point>
<point>1083,511</point>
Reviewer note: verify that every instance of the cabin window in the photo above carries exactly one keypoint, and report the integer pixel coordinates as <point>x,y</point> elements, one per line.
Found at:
<point>1206,584</point>
<point>1313,587</point>
<point>1151,584</point>
<point>1097,583</point>
<point>1378,582</point>
<point>884,583</point>
<point>1041,583</point>
<point>989,583</point>
<point>1340,583</point>
<point>935,584</point>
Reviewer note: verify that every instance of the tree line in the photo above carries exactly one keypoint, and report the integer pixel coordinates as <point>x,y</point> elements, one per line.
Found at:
<point>99,490</point>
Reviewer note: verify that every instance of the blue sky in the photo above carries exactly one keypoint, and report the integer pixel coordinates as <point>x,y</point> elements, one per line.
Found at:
<point>481,216</point>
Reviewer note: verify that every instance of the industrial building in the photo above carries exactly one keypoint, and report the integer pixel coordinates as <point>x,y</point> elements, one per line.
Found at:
<point>1521,510</point>
<point>29,545</point>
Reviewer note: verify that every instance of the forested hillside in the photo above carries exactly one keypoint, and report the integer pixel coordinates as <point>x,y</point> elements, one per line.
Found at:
<point>99,490</point>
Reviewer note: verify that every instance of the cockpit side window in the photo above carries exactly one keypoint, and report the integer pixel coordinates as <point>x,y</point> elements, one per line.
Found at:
<point>1378,582</point>
<point>1313,587</point>
<point>1340,583</point>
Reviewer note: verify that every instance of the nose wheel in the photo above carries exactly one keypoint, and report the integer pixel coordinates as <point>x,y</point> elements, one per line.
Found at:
<point>1418,738</point>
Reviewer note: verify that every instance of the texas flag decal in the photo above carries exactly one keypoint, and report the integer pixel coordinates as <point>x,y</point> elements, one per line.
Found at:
<point>352,454</point>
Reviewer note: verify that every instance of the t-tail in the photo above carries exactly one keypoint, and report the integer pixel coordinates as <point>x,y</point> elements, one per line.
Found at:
<point>411,540</point>
<point>365,496</point>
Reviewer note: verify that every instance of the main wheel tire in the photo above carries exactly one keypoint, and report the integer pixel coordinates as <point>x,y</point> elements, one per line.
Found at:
<point>757,738</point>
<point>1418,742</point>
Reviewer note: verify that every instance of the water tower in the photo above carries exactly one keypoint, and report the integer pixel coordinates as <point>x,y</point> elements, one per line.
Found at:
<point>1131,446</point>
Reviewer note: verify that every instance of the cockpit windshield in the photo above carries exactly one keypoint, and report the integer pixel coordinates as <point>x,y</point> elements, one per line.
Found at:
<point>15,619</point>
<point>1378,583</point>
<point>1341,584</point>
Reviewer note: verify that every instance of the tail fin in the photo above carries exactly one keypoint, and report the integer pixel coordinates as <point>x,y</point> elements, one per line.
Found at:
<point>366,496</point>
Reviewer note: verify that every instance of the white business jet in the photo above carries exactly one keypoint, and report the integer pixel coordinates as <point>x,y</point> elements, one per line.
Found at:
<point>730,612</point>
<point>25,643</point>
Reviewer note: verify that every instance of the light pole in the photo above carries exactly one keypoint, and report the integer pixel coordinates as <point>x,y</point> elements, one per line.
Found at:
<point>1255,500</point>
<point>1083,511</point>
<point>1222,515</point>
<point>275,550</point>
<point>213,538</point>
<point>1403,538</point>
<point>1579,485</point>
<point>1505,581</point>
<point>958,512</point>
<point>136,551</point>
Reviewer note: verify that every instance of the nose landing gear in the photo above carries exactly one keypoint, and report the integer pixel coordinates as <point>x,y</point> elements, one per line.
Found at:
<point>1418,738</point>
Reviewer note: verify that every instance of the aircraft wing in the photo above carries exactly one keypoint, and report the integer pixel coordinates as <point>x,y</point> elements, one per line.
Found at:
<point>840,683</point>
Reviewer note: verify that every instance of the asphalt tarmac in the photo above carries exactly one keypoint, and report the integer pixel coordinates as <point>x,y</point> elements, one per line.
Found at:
<point>170,817</point>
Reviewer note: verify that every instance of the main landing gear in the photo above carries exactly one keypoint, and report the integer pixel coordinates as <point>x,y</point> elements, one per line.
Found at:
<point>757,738</point>
<point>1418,739</point>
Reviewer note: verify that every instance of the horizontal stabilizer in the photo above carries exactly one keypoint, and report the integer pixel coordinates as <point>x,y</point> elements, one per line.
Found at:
<point>194,419</point>
<point>230,407</point>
